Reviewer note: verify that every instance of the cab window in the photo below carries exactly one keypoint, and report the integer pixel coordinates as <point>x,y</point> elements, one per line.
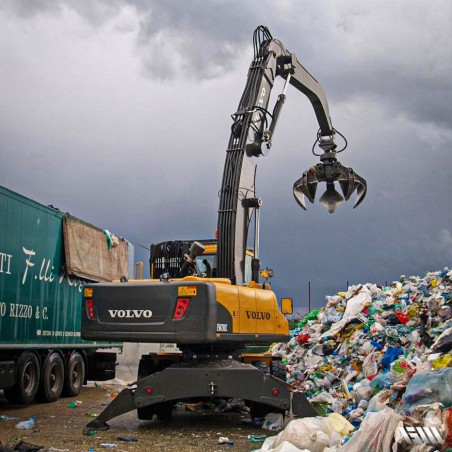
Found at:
<point>204,266</point>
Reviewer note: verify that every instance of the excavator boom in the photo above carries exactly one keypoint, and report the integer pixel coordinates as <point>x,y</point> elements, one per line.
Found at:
<point>251,139</point>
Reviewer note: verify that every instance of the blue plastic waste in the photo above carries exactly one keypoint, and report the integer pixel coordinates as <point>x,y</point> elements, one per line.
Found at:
<point>26,425</point>
<point>384,380</point>
<point>428,387</point>
<point>392,353</point>
<point>376,344</point>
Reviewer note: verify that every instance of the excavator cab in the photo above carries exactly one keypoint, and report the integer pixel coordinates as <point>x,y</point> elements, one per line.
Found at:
<point>168,258</point>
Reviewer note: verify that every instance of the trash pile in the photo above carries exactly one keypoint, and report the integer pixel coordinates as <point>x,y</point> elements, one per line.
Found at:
<point>380,358</point>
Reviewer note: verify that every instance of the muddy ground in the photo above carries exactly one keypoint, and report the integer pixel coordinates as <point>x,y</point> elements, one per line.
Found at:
<point>59,426</point>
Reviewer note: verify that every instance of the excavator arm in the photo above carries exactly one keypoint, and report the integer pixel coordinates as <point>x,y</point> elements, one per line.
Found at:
<point>251,137</point>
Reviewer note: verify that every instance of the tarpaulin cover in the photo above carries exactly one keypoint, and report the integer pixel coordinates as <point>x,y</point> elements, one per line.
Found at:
<point>87,252</point>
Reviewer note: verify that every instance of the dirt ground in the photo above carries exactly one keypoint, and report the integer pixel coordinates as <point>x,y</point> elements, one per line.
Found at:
<point>60,427</point>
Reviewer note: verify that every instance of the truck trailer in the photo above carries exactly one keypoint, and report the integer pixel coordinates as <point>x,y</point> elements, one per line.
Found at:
<point>46,257</point>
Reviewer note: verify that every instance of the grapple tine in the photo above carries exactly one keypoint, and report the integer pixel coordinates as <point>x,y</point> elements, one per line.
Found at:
<point>346,181</point>
<point>361,191</point>
<point>305,186</point>
<point>299,197</point>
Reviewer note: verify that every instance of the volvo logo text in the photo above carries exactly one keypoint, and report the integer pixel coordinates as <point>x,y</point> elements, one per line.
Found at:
<point>130,313</point>
<point>257,315</point>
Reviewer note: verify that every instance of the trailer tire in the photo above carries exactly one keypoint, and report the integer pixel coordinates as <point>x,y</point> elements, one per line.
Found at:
<point>74,375</point>
<point>278,370</point>
<point>52,379</point>
<point>27,380</point>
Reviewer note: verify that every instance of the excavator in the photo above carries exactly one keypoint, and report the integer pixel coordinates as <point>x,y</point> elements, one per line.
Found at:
<point>212,312</point>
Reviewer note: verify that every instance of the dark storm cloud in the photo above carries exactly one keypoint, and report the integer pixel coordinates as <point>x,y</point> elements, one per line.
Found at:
<point>193,39</point>
<point>175,39</point>
<point>400,56</point>
<point>420,95</point>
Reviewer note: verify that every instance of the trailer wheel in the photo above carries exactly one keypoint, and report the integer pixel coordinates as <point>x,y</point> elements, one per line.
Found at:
<point>27,380</point>
<point>75,375</point>
<point>52,379</point>
<point>278,370</point>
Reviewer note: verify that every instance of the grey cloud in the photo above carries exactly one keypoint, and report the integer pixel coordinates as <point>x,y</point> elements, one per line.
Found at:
<point>94,12</point>
<point>195,39</point>
<point>27,9</point>
<point>400,57</point>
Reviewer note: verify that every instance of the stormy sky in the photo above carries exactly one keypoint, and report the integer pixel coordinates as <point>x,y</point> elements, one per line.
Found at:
<point>118,111</point>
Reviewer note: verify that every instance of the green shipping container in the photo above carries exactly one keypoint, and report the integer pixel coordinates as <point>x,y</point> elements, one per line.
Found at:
<point>40,299</point>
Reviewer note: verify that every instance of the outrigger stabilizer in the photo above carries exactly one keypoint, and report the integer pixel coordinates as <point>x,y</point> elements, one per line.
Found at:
<point>206,380</point>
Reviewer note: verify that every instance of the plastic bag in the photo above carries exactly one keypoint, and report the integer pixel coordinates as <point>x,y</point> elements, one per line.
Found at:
<point>382,381</point>
<point>442,361</point>
<point>26,425</point>
<point>444,342</point>
<point>273,421</point>
<point>354,306</point>
<point>312,433</point>
<point>428,388</point>
<point>311,316</point>
<point>376,432</point>
<point>370,366</point>
<point>285,446</point>
<point>362,393</point>
<point>303,338</point>
<point>391,354</point>
<point>402,317</point>
<point>323,397</point>
<point>331,316</point>
<point>340,425</point>
<point>378,401</point>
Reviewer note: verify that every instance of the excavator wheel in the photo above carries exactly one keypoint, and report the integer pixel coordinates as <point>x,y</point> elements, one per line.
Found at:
<point>146,413</point>
<point>164,411</point>
<point>145,367</point>
<point>278,370</point>
<point>260,410</point>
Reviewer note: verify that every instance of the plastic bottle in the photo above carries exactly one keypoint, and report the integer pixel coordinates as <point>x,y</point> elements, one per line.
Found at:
<point>26,425</point>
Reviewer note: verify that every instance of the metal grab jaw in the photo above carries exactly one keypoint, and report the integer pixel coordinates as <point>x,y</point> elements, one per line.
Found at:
<point>329,171</point>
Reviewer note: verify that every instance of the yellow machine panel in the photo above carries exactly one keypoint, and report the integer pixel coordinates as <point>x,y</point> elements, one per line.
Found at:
<point>254,311</point>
